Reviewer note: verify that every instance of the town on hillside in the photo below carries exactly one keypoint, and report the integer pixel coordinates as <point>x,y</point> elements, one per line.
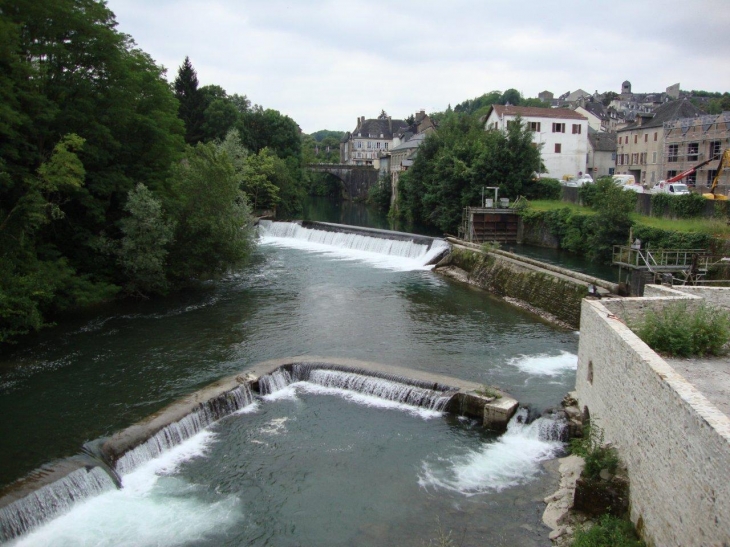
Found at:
<point>652,137</point>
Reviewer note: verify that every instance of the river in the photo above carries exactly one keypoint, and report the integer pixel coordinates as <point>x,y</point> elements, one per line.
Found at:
<point>305,467</point>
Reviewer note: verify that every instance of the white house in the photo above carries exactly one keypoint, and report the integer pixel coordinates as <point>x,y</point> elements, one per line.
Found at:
<point>561,134</point>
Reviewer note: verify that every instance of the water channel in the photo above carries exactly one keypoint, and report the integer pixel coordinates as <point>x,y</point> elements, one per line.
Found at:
<point>306,465</point>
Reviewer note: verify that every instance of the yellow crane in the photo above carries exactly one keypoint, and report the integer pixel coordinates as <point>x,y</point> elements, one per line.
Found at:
<point>724,164</point>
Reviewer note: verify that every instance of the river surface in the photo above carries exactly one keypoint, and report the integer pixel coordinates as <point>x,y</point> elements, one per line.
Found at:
<point>305,467</point>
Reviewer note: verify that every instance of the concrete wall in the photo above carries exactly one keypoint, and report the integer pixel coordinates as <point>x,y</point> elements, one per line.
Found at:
<point>675,443</point>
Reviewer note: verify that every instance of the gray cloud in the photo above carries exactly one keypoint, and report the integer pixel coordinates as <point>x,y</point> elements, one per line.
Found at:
<point>325,62</point>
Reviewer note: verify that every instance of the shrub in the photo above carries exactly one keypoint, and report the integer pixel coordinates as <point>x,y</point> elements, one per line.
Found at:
<point>682,332</point>
<point>587,194</point>
<point>544,189</point>
<point>379,194</point>
<point>592,449</point>
<point>684,206</point>
<point>610,531</point>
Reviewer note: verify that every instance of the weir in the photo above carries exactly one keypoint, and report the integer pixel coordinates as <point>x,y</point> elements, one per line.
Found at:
<point>426,250</point>
<point>51,491</point>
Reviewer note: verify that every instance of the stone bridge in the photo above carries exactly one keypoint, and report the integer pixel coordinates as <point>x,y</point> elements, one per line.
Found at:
<point>356,179</point>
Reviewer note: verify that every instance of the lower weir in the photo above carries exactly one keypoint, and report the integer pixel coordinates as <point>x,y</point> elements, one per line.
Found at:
<point>53,489</point>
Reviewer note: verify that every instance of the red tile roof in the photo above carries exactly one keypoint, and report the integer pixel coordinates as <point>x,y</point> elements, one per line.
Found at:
<point>536,112</point>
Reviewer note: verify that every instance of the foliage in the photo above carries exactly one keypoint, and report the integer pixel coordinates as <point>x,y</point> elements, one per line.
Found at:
<point>488,391</point>
<point>258,180</point>
<point>592,449</point>
<point>612,222</point>
<point>544,188</point>
<point>490,246</point>
<point>212,221</point>
<point>610,531</point>
<point>323,134</point>
<point>684,206</point>
<point>453,165</point>
<point>379,194</point>
<point>658,238</point>
<point>480,105</point>
<point>608,97</point>
<point>142,250</point>
<point>192,101</point>
<point>681,331</point>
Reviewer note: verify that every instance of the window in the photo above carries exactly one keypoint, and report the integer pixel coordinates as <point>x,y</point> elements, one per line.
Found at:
<point>535,127</point>
<point>642,158</point>
<point>370,144</point>
<point>613,156</point>
<point>611,170</point>
<point>715,148</point>
<point>655,136</point>
<point>653,157</point>
<point>652,177</point>
<point>558,128</point>
<point>359,144</point>
<point>558,146</point>
<point>634,158</point>
<point>636,139</point>
<point>386,145</point>
<point>693,149</point>
<point>576,129</point>
<point>646,137</point>
<point>673,152</point>
<point>711,176</point>
<point>377,145</point>
<point>692,179</point>
<point>671,173</point>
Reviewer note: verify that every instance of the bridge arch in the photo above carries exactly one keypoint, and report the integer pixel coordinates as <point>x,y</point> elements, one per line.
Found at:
<point>356,179</point>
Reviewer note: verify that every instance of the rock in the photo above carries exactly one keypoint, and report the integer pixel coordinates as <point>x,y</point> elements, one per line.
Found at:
<point>605,475</point>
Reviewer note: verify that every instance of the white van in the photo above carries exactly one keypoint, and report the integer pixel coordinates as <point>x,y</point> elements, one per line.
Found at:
<point>673,188</point>
<point>628,182</point>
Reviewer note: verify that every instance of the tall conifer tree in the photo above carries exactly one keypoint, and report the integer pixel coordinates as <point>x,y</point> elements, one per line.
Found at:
<point>192,102</point>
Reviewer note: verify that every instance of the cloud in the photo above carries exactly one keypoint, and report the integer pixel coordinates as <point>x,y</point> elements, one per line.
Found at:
<point>326,62</point>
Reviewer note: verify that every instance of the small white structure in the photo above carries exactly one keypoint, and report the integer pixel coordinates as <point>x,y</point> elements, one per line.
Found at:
<point>560,133</point>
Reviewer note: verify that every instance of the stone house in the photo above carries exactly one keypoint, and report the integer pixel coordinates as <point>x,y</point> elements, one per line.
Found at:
<point>369,140</point>
<point>601,154</point>
<point>560,133</point>
<point>640,145</point>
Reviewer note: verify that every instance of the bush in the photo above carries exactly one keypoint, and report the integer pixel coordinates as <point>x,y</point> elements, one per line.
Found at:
<point>610,531</point>
<point>379,194</point>
<point>681,332</point>
<point>597,456</point>
<point>544,189</point>
<point>685,206</point>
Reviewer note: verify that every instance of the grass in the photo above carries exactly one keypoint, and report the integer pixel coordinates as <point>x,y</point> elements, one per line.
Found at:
<point>608,532</point>
<point>682,332</point>
<point>710,226</point>
<point>597,456</point>
<point>488,391</point>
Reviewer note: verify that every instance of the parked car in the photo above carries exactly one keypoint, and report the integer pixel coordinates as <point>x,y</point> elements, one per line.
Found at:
<point>673,188</point>
<point>577,182</point>
<point>628,182</point>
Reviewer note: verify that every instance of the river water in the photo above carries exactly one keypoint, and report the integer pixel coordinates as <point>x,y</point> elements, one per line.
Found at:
<point>305,466</point>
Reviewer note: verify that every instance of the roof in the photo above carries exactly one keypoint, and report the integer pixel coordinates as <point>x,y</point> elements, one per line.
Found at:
<point>602,142</point>
<point>377,127</point>
<point>672,110</point>
<point>596,108</point>
<point>413,142</point>
<point>535,112</point>
<point>577,94</point>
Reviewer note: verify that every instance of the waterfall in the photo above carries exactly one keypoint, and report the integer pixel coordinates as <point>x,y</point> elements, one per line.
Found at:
<point>51,500</point>
<point>395,244</point>
<point>173,434</point>
<point>433,397</point>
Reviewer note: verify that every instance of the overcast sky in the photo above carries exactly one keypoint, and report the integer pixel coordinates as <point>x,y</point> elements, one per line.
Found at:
<point>326,62</point>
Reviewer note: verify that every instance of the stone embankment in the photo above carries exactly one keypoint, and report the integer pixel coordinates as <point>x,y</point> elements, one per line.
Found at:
<point>550,291</point>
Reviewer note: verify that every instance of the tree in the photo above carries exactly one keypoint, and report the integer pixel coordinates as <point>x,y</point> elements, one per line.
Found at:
<point>142,251</point>
<point>192,102</point>
<point>259,174</point>
<point>213,225</point>
<point>511,96</point>
<point>612,222</point>
<point>608,97</point>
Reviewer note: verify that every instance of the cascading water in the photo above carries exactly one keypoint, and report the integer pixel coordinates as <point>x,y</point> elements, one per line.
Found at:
<point>420,254</point>
<point>52,499</point>
<point>175,433</point>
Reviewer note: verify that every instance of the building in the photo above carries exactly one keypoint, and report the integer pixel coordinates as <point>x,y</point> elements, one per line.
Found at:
<point>561,134</point>
<point>691,141</point>
<point>401,159</point>
<point>369,140</point>
<point>601,154</point>
<point>640,145</point>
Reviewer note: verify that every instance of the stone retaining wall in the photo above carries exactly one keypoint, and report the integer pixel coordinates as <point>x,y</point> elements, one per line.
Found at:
<point>553,293</point>
<point>674,442</point>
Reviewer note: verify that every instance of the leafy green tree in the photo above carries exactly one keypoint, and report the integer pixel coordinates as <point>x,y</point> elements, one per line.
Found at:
<point>454,164</point>
<point>142,251</point>
<point>608,97</point>
<point>192,102</point>
<point>211,216</point>
<point>612,222</point>
<point>259,174</point>
<point>511,96</point>
<point>220,113</point>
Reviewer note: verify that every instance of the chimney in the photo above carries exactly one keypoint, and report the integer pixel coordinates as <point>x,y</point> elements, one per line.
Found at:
<point>390,124</point>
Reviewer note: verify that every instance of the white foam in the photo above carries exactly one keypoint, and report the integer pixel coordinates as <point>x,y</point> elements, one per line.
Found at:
<point>150,510</point>
<point>379,252</point>
<point>511,460</point>
<point>546,365</point>
<point>368,400</point>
